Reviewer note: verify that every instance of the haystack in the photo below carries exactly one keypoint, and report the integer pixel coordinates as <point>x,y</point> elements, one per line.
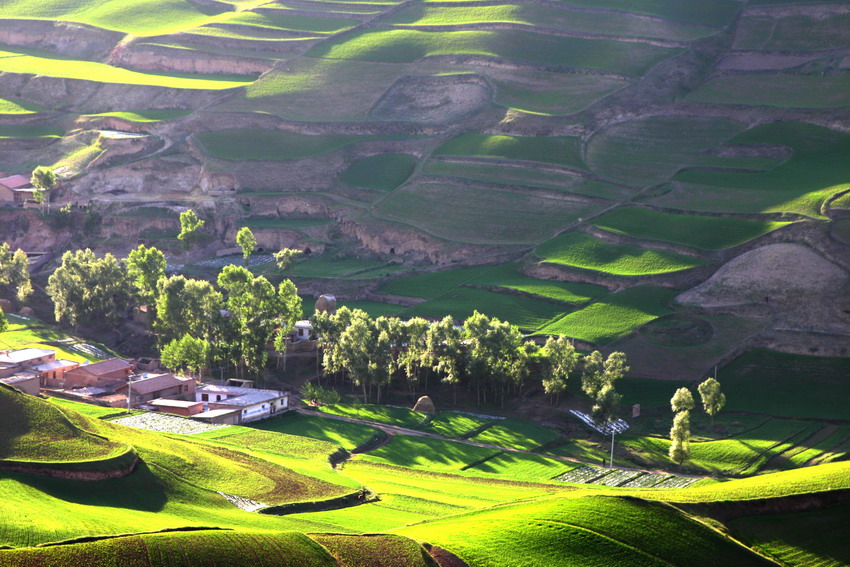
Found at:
<point>26,312</point>
<point>326,304</point>
<point>424,405</point>
<point>5,306</point>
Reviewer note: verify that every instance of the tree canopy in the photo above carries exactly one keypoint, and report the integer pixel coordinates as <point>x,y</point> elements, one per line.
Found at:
<point>145,267</point>
<point>90,290</point>
<point>14,273</point>
<point>246,241</point>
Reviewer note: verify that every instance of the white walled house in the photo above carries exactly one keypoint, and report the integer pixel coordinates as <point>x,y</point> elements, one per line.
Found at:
<point>252,403</point>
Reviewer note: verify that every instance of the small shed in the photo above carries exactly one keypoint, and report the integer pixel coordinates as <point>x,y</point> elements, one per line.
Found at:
<point>302,331</point>
<point>220,416</point>
<point>178,407</point>
<point>425,405</point>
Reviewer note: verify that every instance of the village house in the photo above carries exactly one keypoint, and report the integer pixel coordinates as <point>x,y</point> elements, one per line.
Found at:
<point>26,382</point>
<point>15,189</point>
<point>149,387</point>
<point>104,373</point>
<point>253,403</point>
<point>52,374</point>
<point>14,361</point>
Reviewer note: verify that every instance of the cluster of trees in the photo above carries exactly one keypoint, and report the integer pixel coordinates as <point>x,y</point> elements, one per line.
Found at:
<point>198,323</point>
<point>485,354</point>
<point>713,400</point>
<point>14,276</point>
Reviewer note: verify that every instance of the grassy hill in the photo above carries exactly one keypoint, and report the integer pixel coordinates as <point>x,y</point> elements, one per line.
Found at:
<point>477,514</point>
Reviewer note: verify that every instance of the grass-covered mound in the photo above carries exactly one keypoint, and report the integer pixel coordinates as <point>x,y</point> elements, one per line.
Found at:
<point>579,250</point>
<point>614,316</point>
<point>32,430</point>
<point>583,531</point>
<point>206,547</point>
<point>560,149</point>
<point>711,233</point>
<point>385,550</point>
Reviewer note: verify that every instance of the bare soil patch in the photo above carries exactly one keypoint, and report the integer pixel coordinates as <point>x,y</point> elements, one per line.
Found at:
<point>433,99</point>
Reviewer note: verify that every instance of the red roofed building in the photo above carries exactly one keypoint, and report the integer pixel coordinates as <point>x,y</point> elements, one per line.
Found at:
<point>153,386</point>
<point>98,373</point>
<point>15,189</point>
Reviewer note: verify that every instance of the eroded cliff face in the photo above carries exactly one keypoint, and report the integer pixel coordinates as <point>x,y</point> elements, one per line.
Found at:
<point>151,57</point>
<point>91,97</point>
<point>27,229</point>
<point>67,38</point>
<point>160,176</point>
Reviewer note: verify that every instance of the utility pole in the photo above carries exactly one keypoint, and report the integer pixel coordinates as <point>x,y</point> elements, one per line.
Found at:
<point>611,463</point>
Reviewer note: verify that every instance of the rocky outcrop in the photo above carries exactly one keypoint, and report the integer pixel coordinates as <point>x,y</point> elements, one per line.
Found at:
<point>67,38</point>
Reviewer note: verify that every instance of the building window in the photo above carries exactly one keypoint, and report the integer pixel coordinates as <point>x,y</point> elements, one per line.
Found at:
<point>205,397</point>
<point>218,398</point>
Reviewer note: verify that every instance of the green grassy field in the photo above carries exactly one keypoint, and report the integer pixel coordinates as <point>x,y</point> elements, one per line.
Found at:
<point>453,424</point>
<point>318,89</point>
<point>815,171</point>
<point>407,46</point>
<point>526,176</point>
<point>580,250</point>
<point>562,150</point>
<point>389,415</point>
<point>384,172</point>
<point>143,116</point>
<point>580,531</point>
<point>780,90</point>
<point>516,434</point>
<point>649,151</point>
<point>30,131</point>
<point>424,453</point>
<point>325,266</point>
<point>781,384</point>
<point>434,284</point>
<point>716,14</point>
<point>557,17</point>
<point>559,94</point>
<point>346,435</point>
<point>745,453</point>
<point>519,466</point>
<point>17,107</point>
<point>711,233</point>
<point>39,433</point>
<point>255,144</point>
<point>614,316</point>
<point>37,62</point>
<point>31,333</point>
<point>461,302</point>
<point>460,213</point>
<point>801,538</point>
